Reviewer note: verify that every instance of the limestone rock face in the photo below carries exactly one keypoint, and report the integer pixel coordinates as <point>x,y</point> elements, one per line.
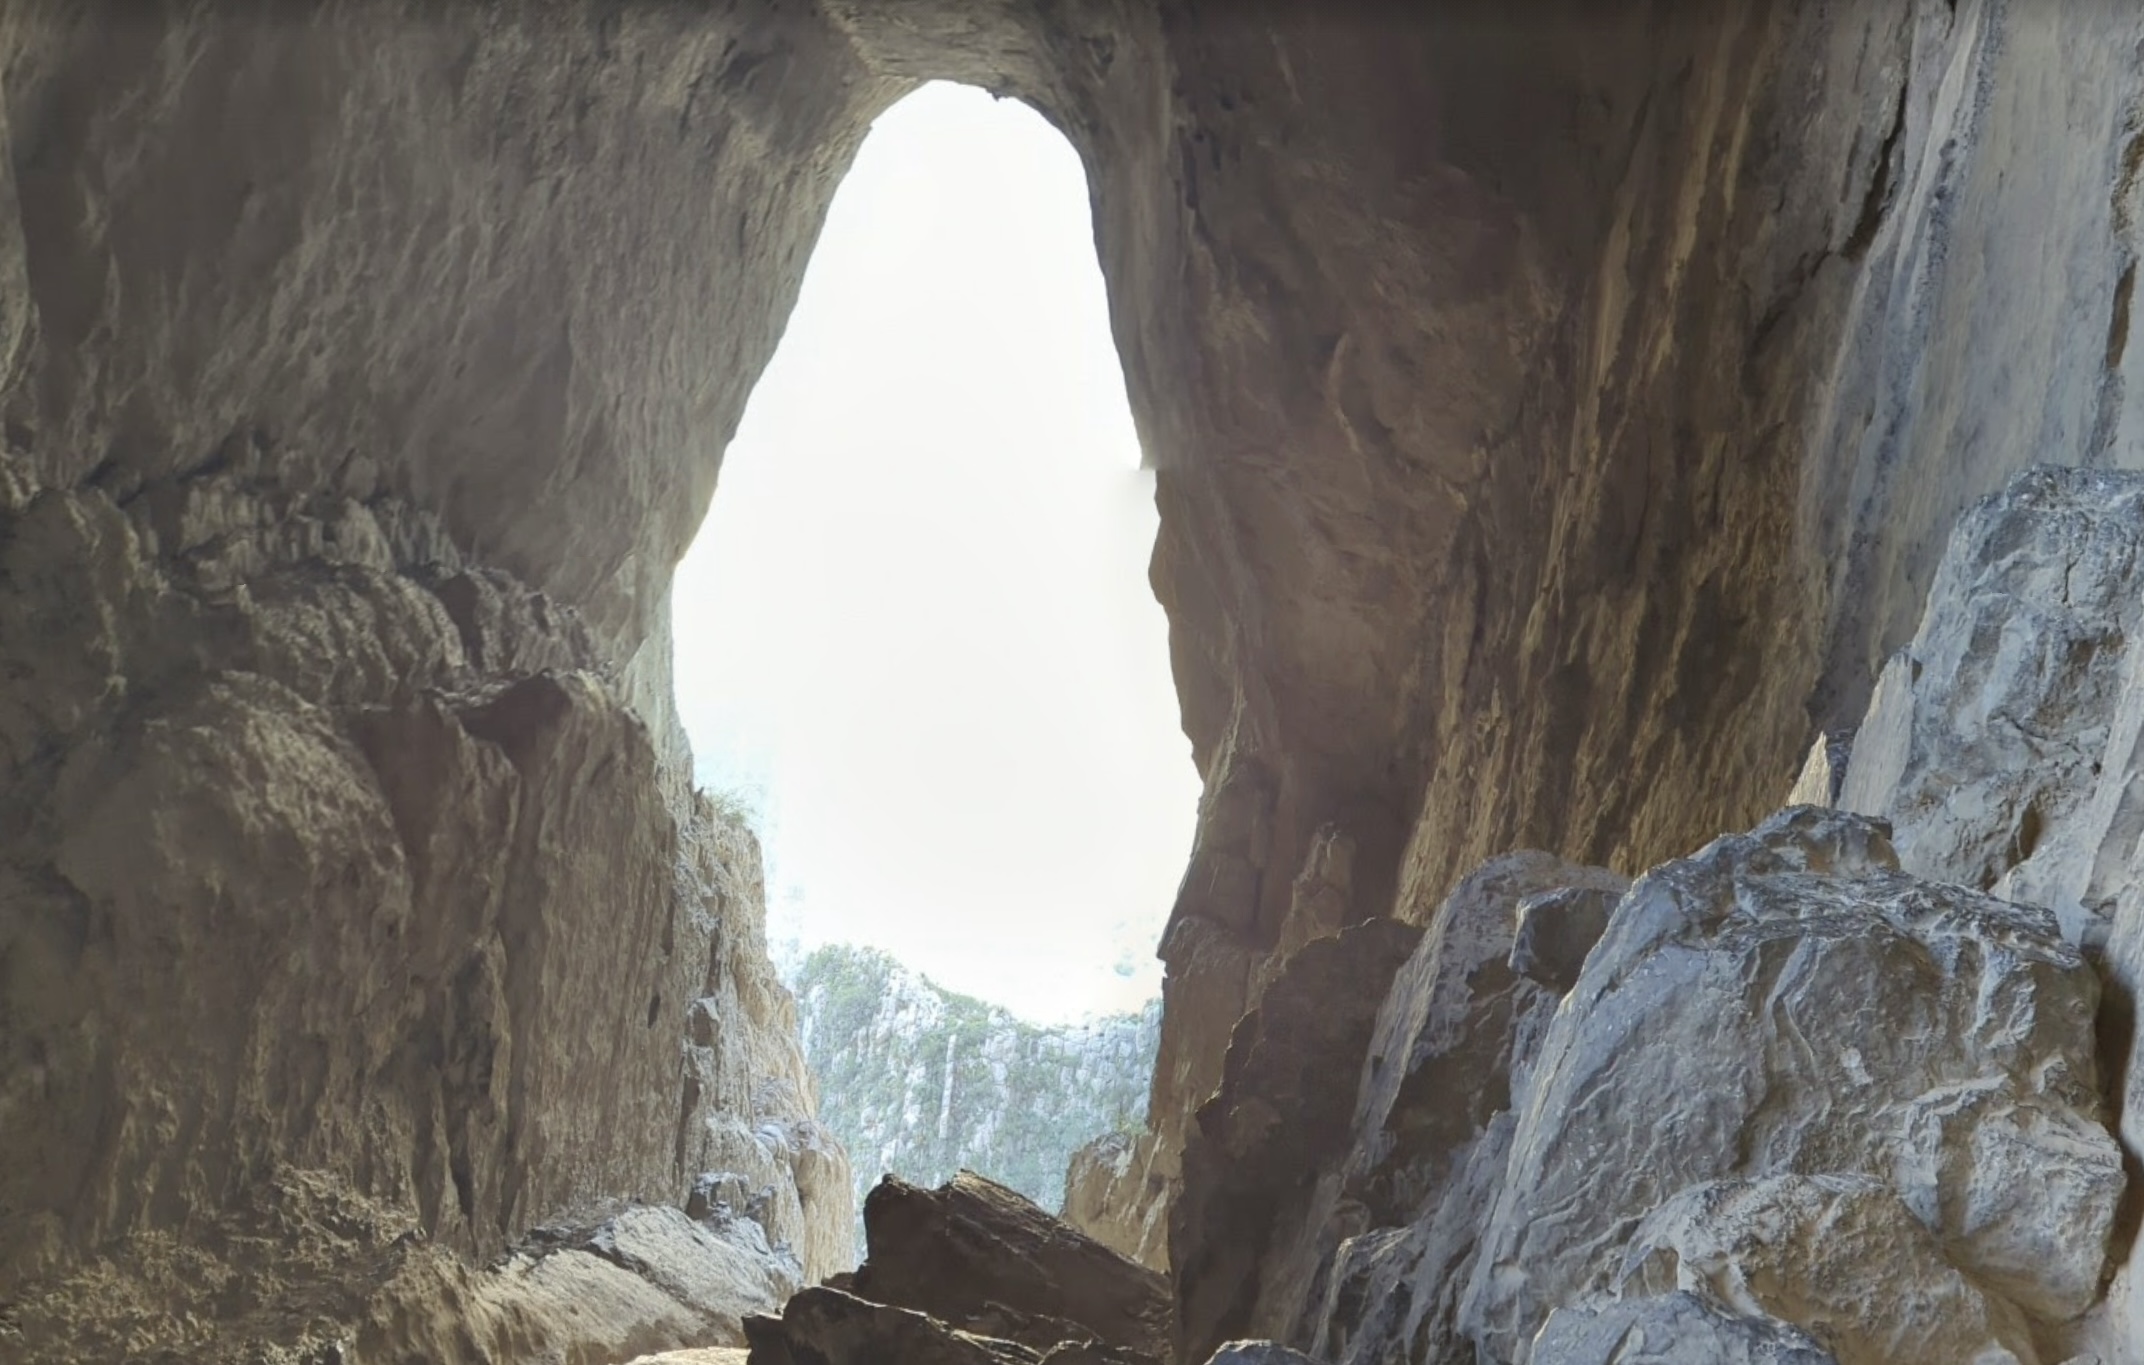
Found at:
<point>1996,742</point>
<point>1788,1004</point>
<point>2003,744</point>
<point>1278,1118</point>
<point>1118,1189</point>
<point>927,1082</point>
<point>306,817</point>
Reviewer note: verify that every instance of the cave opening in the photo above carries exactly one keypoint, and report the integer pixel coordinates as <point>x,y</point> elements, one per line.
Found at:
<point>917,652</point>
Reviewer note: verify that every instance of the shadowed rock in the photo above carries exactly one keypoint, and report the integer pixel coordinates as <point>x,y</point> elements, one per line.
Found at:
<point>986,1259</point>
<point>1384,1266</point>
<point>1280,1116</point>
<point>823,1326</point>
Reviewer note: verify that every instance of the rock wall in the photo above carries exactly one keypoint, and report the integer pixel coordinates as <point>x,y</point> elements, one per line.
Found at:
<point>331,850</point>
<point>1556,414</point>
<point>2002,746</point>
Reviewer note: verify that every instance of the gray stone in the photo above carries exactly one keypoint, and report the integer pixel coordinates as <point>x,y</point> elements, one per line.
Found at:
<point>1841,1257</point>
<point>1788,1002</point>
<point>2005,744</point>
<point>1671,1329</point>
<point>1556,929</point>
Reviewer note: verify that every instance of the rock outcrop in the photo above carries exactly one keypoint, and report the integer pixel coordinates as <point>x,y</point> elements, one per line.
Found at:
<point>1797,1104</point>
<point>972,1272</point>
<point>1383,1254</point>
<point>1894,1080</point>
<point>2003,744</point>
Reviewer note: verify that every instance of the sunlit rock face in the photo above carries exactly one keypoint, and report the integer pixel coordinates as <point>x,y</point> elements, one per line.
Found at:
<point>1556,422</point>
<point>2003,744</point>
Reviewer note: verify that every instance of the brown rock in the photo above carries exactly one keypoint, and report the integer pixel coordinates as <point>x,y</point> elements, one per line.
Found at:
<point>982,1258</point>
<point>1280,1116</point>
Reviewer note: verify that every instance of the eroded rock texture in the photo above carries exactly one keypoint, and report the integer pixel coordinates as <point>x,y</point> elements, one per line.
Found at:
<point>330,850</point>
<point>1797,1104</point>
<point>1557,411</point>
<point>2003,742</point>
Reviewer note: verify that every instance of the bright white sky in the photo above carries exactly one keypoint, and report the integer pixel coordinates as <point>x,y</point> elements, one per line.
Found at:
<point>916,625</point>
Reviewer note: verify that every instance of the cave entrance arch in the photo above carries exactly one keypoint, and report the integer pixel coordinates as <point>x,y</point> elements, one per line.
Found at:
<point>914,639</point>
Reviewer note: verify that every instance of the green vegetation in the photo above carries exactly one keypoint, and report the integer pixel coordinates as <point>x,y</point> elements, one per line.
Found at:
<point>733,803</point>
<point>920,1082</point>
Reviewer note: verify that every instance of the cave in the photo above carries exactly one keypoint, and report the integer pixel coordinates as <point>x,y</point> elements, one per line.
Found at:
<point>1563,418</point>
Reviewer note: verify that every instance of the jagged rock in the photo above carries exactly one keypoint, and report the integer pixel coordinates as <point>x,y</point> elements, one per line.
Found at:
<point>1673,1329</point>
<point>823,1326</point>
<point>1787,1002</point>
<point>1823,773</point>
<point>981,1257</point>
<point>2000,745</point>
<point>1394,1241</point>
<point>1556,929</point>
<point>721,1273</point>
<point>1463,1016</point>
<point>1117,1190</point>
<point>2005,744</point>
<point>1279,1118</point>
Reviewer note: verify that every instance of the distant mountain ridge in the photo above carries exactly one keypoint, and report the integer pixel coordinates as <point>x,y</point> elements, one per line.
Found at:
<point>922,1082</point>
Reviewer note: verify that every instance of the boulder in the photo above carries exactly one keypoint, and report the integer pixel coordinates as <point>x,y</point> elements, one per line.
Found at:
<point>2005,743</point>
<point>981,1257</point>
<point>1787,1002</point>
<point>1841,1257</point>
